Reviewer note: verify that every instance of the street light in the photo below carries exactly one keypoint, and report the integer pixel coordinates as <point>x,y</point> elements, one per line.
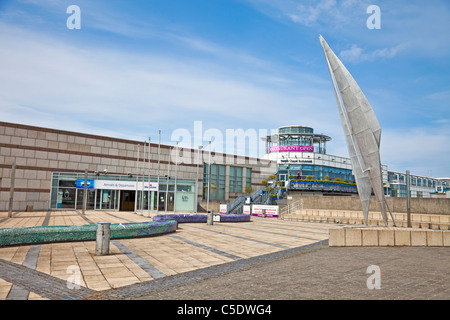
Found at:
<point>196,181</point>
<point>209,177</point>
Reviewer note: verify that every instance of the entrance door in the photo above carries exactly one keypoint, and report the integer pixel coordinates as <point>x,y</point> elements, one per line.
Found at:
<point>127,199</point>
<point>108,199</point>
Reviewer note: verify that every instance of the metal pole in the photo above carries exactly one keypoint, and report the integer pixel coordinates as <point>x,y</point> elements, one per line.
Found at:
<point>137,179</point>
<point>157,192</point>
<point>176,174</point>
<point>408,199</point>
<point>11,190</point>
<point>209,178</point>
<point>85,191</point>
<point>148,187</point>
<point>196,181</point>
<point>143,178</point>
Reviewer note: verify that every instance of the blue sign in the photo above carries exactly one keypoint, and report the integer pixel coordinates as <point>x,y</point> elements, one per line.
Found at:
<point>90,183</point>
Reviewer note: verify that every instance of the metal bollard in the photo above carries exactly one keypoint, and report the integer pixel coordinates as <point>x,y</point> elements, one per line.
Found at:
<point>210,217</point>
<point>103,237</point>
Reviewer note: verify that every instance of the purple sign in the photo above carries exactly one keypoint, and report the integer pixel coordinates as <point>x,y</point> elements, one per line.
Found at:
<point>292,149</point>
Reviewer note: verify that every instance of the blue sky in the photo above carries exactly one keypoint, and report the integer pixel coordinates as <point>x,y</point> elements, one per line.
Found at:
<point>136,67</point>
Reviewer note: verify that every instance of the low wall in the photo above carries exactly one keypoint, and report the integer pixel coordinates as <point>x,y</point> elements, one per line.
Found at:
<point>33,235</point>
<point>377,237</point>
<point>418,205</point>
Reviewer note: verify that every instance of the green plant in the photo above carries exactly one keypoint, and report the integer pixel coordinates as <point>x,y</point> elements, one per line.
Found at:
<point>272,176</point>
<point>264,182</point>
<point>248,190</point>
<point>279,183</point>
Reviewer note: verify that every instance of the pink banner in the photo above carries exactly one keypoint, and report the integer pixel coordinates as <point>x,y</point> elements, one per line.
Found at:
<point>292,149</point>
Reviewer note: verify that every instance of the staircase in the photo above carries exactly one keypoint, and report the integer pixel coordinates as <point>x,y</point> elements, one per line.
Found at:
<point>257,197</point>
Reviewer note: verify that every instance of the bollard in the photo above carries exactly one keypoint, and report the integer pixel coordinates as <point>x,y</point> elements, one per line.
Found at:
<point>210,217</point>
<point>263,213</point>
<point>103,237</point>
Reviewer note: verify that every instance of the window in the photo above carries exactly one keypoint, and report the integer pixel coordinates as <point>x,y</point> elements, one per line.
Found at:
<point>236,179</point>
<point>248,177</point>
<point>217,182</point>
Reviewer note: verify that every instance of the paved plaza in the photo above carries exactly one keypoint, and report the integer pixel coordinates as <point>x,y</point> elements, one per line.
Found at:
<point>263,259</point>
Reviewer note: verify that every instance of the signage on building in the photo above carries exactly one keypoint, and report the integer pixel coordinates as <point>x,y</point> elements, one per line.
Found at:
<point>223,209</point>
<point>292,149</point>
<point>296,161</point>
<point>270,211</point>
<point>117,185</point>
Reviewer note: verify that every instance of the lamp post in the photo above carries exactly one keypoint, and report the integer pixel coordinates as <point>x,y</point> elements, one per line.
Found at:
<point>196,181</point>
<point>408,199</point>
<point>176,174</point>
<point>159,149</point>
<point>209,177</point>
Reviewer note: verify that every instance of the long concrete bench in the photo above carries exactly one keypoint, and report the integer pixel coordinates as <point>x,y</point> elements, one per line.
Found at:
<point>33,235</point>
<point>378,237</point>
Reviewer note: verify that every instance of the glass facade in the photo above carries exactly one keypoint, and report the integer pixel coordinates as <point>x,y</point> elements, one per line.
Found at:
<point>236,182</point>
<point>125,193</point>
<point>313,172</point>
<point>218,176</point>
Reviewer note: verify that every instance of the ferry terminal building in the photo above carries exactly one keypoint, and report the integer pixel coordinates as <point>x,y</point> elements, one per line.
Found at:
<point>124,176</point>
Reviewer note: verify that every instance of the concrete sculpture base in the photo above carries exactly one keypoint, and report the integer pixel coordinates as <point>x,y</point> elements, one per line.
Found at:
<point>388,237</point>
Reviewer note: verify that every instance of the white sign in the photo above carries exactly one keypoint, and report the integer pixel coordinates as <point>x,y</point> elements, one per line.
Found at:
<point>246,209</point>
<point>216,218</point>
<point>271,211</point>
<point>125,185</point>
<point>223,209</point>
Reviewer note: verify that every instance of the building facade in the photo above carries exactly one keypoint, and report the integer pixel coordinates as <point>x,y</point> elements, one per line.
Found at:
<point>304,165</point>
<point>122,175</point>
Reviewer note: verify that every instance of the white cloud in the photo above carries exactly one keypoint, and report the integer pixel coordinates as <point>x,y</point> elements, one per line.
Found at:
<point>356,54</point>
<point>422,150</point>
<point>46,81</point>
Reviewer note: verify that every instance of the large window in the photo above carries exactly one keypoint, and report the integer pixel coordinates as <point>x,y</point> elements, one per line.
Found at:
<point>217,181</point>
<point>235,179</point>
<point>248,177</point>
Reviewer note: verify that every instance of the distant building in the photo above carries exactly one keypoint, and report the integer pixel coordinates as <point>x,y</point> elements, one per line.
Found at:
<point>301,154</point>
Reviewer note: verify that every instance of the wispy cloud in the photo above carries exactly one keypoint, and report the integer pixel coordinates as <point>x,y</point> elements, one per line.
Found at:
<point>356,54</point>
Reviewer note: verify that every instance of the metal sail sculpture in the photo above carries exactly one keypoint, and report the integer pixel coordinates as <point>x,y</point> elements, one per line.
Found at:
<point>362,133</point>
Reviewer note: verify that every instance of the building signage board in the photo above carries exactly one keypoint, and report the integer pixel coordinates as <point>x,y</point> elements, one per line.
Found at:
<point>80,184</point>
<point>292,149</point>
<point>223,209</point>
<point>271,211</point>
<point>118,185</point>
